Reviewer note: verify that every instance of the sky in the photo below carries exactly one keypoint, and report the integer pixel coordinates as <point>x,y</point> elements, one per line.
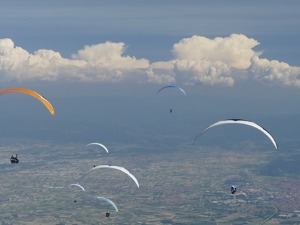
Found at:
<point>233,58</point>
<point>207,43</point>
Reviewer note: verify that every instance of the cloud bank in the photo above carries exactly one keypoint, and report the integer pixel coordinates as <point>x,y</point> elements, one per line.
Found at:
<point>197,59</point>
<point>103,62</point>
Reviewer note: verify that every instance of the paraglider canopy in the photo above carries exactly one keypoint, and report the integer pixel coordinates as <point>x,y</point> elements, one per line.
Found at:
<point>239,121</point>
<point>122,169</point>
<point>77,185</point>
<point>110,202</point>
<point>172,86</point>
<point>98,144</point>
<point>97,200</point>
<point>32,93</point>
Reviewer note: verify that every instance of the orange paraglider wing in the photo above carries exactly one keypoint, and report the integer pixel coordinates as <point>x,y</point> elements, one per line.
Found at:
<point>32,93</point>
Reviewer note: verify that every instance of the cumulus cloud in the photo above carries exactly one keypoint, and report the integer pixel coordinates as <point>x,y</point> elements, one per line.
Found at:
<point>197,59</point>
<point>102,62</point>
<point>225,61</point>
<point>211,61</point>
<point>161,73</point>
<point>110,55</point>
<point>275,72</point>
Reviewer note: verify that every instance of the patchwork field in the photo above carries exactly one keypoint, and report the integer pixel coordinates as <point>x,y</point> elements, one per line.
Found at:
<point>188,185</point>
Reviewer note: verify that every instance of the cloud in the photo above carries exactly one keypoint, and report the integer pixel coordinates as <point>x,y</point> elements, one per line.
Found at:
<point>103,62</point>
<point>274,72</point>
<point>226,61</point>
<point>109,55</point>
<point>196,60</point>
<point>211,61</point>
<point>161,73</point>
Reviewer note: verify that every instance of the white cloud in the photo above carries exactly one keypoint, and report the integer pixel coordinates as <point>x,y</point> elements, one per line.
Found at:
<point>161,73</point>
<point>217,61</point>
<point>211,61</point>
<point>102,62</point>
<point>109,55</point>
<point>274,72</point>
<point>234,51</point>
<point>227,61</point>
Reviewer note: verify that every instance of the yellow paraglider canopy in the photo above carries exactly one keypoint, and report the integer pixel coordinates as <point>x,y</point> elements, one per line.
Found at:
<point>32,93</point>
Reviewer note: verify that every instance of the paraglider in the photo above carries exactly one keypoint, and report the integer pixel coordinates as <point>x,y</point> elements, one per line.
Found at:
<point>68,186</point>
<point>110,202</point>
<point>77,185</point>
<point>99,144</point>
<point>172,86</point>
<point>122,169</point>
<point>233,189</point>
<point>234,193</point>
<point>32,93</point>
<point>239,121</point>
<point>14,159</point>
<point>94,200</point>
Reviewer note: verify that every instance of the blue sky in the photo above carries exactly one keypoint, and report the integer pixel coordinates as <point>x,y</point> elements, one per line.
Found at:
<point>242,53</point>
<point>67,26</point>
<point>147,31</point>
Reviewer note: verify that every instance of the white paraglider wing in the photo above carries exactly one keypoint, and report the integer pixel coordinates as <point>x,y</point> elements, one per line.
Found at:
<point>110,202</point>
<point>99,144</point>
<point>122,169</point>
<point>172,86</point>
<point>77,185</point>
<point>239,121</point>
<point>92,200</point>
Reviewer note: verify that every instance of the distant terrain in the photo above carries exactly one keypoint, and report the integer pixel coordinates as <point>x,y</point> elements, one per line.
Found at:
<point>181,184</point>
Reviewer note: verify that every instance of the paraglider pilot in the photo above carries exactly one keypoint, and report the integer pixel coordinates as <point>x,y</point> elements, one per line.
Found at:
<point>107,214</point>
<point>233,189</point>
<point>171,110</point>
<point>14,159</point>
